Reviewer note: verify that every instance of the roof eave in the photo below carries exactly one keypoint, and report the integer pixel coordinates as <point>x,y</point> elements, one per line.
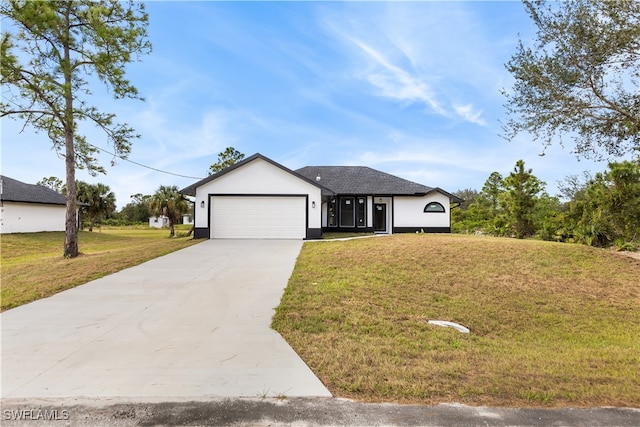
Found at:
<point>452,198</point>
<point>32,202</point>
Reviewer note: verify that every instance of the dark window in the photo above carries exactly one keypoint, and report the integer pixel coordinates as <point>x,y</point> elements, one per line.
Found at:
<point>333,213</point>
<point>434,207</point>
<point>347,212</point>
<point>362,212</point>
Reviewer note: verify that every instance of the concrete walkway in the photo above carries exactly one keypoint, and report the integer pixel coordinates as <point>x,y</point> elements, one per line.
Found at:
<point>193,323</point>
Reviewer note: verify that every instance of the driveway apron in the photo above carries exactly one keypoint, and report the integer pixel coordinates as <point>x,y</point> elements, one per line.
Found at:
<point>189,324</point>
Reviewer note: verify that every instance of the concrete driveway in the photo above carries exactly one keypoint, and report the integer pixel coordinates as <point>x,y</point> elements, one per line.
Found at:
<point>193,323</point>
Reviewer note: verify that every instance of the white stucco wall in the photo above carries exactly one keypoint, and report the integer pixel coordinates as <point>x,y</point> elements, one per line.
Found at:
<point>259,177</point>
<point>409,211</point>
<point>325,214</point>
<point>158,222</point>
<point>31,217</point>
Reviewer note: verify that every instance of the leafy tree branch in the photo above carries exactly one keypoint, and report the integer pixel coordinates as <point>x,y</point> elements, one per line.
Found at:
<point>579,80</point>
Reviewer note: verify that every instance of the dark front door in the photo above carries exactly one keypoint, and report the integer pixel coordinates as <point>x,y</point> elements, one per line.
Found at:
<point>379,217</point>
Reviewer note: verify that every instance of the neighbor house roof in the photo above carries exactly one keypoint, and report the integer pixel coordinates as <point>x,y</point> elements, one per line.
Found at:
<point>191,190</point>
<point>12,190</point>
<point>364,180</point>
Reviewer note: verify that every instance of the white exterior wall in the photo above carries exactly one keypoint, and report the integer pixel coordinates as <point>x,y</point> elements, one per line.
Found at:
<point>325,214</point>
<point>409,211</point>
<point>31,217</point>
<point>158,222</point>
<point>258,177</point>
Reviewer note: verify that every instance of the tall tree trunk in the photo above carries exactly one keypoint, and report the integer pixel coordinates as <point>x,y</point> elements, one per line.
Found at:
<point>71,220</point>
<point>172,230</point>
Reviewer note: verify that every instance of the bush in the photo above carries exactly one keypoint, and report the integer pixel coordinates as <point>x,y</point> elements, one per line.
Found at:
<point>627,246</point>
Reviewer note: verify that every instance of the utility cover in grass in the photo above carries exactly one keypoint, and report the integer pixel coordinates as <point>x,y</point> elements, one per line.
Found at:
<point>450,325</point>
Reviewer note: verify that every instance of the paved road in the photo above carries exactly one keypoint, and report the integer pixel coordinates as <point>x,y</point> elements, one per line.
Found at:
<point>299,411</point>
<point>190,324</point>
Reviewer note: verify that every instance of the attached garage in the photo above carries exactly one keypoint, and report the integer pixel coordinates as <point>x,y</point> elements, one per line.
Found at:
<point>257,198</point>
<point>258,217</point>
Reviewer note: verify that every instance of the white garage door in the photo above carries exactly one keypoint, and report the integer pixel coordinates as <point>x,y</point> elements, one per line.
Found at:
<point>267,217</point>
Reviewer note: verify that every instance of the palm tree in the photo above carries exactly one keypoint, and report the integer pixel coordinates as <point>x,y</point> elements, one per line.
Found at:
<point>96,201</point>
<point>102,203</point>
<point>167,201</point>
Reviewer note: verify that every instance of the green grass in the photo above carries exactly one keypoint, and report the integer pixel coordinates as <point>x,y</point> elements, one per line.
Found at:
<point>551,324</point>
<point>33,266</point>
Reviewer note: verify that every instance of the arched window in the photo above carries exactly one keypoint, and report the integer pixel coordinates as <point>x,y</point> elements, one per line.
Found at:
<point>434,207</point>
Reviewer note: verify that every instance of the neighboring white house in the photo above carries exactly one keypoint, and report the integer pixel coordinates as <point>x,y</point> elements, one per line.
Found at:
<point>259,198</point>
<point>158,222</point>
<point>28,208</point>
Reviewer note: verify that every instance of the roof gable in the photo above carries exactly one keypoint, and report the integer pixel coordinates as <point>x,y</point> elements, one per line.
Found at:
<point>12,190</point>
<point>191,190</point>
<point>362,180</point>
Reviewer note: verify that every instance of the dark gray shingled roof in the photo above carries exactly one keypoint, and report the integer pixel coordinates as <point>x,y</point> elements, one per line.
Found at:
<point>362,180</point>
<point>347,180</point>
<point>12,190</point>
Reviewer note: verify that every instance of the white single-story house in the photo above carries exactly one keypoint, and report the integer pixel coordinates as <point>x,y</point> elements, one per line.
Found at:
<point>259,198</point>
<point>158,221</point>
<point>28,208</point>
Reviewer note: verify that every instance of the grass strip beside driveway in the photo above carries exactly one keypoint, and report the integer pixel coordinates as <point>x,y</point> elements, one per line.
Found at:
<point>551,324</point>
<point>33,266</point>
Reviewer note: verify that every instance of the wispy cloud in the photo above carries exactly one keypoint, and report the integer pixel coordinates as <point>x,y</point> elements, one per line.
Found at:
<point>170,142</point>
<point>388,77</point>
<point>408,60</point>
<point>398,83</point>
<point>468,113</point>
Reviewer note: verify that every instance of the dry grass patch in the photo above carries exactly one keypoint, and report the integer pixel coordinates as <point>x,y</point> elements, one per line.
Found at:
<point>551,324</point>
<point>33,266</point>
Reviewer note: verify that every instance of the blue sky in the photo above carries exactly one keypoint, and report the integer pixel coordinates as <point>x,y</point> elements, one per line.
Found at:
<point>409,88</point>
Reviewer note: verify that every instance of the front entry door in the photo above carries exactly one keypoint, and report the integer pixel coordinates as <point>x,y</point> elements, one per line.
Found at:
<point>379,217</point>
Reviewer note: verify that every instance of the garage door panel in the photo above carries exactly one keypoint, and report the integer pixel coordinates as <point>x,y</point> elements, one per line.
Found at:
<point>265,217</point>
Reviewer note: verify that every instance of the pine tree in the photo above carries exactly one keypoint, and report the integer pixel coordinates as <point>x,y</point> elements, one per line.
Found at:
<point>60,45</point>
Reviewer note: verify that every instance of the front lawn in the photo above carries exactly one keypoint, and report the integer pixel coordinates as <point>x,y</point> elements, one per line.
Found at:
<point>33,266</point>
<point>551,324</point>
